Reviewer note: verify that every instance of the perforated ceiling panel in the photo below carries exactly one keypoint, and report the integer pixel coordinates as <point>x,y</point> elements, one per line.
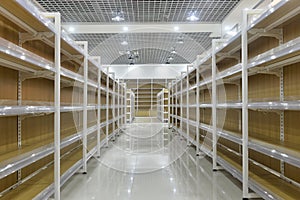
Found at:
<point>151,47</point>
<point>139,10</point>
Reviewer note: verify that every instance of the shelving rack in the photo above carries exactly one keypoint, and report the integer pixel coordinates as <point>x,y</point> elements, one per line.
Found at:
<point>130,106</point>
<point>57,105</point>
<point>239,102</point>
<point>146,91</point>
<point>163,105</point>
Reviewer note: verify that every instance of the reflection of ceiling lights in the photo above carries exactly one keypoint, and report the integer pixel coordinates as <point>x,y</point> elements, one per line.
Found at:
<point>170,58</point>
<point>192,16</point>
<point>118,16</point>
<point>124,43</point>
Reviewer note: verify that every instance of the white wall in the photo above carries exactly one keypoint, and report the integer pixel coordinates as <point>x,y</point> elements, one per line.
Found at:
<point>162,71</point>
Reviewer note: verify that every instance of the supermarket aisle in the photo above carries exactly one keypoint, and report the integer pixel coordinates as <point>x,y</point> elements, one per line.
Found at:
<point>147,162</point>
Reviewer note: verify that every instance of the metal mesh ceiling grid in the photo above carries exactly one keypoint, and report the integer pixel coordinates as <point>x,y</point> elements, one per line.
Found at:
<point>112,51</point>
<point>139,10</point>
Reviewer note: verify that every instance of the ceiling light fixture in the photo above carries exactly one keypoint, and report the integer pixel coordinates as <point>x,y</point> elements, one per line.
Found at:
<point>179,40</point>
<point>176,28</point>
<point>192,16</point>
<point>173,50</point>
<point>71,29</point>
<point>125,28</point>
<point>118,16</point>
<point>124,43</point>
<point>170,58</point>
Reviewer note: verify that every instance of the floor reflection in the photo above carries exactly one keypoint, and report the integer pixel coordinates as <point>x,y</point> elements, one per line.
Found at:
<point>157,165</point>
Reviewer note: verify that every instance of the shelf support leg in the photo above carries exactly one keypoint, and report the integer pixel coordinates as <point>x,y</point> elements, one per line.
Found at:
<point>107,106</point>
<point>84,44</point>
<point>197,112</point>
<point>57,59</point>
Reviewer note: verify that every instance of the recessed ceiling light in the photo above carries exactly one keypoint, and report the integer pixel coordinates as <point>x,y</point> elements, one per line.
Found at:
<point>118,16</point>
<point>176,28</point>
<point>71,29</point>
<point>192,16</point>
<point>170,58</point>
<point>125,28</point>
<point>173,50</point>
<point>124,43</point>
<point>179,40</point>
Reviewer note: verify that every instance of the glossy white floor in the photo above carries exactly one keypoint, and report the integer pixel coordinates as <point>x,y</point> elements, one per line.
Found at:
<point>148,162</point>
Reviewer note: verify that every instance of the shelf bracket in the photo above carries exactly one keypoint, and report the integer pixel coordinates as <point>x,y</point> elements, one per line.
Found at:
<point>275,33</point>
<point>25,37</point>
<point>267,72</point>
<point>227,55</point>
<point>71,58</point>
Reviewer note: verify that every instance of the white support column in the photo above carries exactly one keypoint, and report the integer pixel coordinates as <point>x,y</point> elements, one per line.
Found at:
<point>181,101</point>
<point>214,106</point>
<point>163,106</point>
<point>57,21</point>
<point>107,106</point>
<point>114,103</point>
<point>85,102</point>
<point>187,106</point>
<point>197,112</point>
<point>169,105</point>
<point>118,104</point>
<point>214,103</point>
<point>176,104</point>
<point>244,49</point>
<point>57,60</point>
<point>245,104</point>
<point>98,60</point>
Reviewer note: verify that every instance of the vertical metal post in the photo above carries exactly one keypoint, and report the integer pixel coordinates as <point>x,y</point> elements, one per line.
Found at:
<point>245,103</point>
<point>281,117</point>
<point>126,93</point>
<point>187,106</point>
<point>181,102</point>
<point>99,108</point>
<point>57,60</point>
<point>85,102</point>
<point>118,104</point>
<point>107,106</point>
<point>197,111</point>
<point>169,105</point>
<point>137,94</point>
<point>176,104</point>
<point>114,103</point>
<point>19,119</point>
<point>214,106</point>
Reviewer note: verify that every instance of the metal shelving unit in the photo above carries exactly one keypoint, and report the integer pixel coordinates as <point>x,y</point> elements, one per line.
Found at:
<point>162,105</point>
<point>238,145</point>
<point>130,111</point>
<point>69,142</point>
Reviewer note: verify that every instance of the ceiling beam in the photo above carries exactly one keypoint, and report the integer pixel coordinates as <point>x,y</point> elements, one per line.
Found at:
<point>214,29</point>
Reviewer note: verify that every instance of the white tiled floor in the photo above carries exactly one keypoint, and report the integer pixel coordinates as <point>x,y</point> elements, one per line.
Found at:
<point>148,162</point>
